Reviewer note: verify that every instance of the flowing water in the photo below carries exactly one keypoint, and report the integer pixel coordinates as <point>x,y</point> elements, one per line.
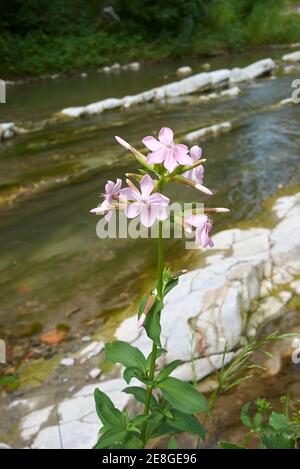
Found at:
<point>51,261</point>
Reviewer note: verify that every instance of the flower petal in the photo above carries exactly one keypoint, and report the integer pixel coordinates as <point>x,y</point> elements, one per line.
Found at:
<point>134,209</point>
<point>166,135</point>
<point>109,187</point>
<point>147,185</point>
<point>158,199</point>
<point>170,161</point>
<point>117,186</point>
<point>151,143</point>
<point>196,153</point>
<point>196,220</point>
<point>181,156</point>
<point>127,194</point>
<point>158,156</point>
<point>148,216</point>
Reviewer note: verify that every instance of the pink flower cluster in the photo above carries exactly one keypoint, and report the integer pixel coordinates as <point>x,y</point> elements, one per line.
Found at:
<point>146,202</point>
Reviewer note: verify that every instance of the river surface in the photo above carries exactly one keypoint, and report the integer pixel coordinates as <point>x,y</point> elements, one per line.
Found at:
<point>51,261</point>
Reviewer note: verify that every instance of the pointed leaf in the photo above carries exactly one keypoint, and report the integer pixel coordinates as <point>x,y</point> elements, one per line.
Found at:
<point>278,441</point>
<point>152,322</point>
<point>167,370</point>
<point>121,352</point>
<point>134,372</point>
<point>111,439</point>
<point>183,396</point>
<point>140,395</point>
<point>187,423</point>
<point>107,412</point>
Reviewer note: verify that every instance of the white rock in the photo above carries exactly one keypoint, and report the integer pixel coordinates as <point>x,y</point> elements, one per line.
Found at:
<point>115,67</point>
<point>36,418</point>
<point>186,70</point>
<point>7,130</point>
<point>92,349</point>
<point>216,129</point>
<point>220,77</point>
<point>253,245</point>
<point>292,57</point>
<point>268,309</point>
<point>79,435</point>
<point>95,373</point>
<point>231,92</point>
<point>67,361</point>
<point>201,367</point>
<point>134,66</point>
<point>265,288</point>
<point>296,286</point>
<point>48,438</point>
<point>86,338</point>
<point>4,446</point>
<point>83,75</point>
<point>128,331</point>
<point>252,71</point>
<point>285,296</point>
<point>281,276</point>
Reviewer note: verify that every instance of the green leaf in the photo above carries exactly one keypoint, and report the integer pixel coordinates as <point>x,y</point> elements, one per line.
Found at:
<point>228,445</point>
<point>129,356</point>
<point>140,395</point>
<point>278,441</point>
<point>245,418</point>
<point>170,285</point>
<point>132,441</point>
<point>152,322</point>
<point>183,396</point>
<point>167,370</point>
<point>111,439</point>
<point>187,423</point>
<point>172,443</point>
<point>134,372</point>
<point>258,420</point>
<point>107,412</point>
<point>279,422</point>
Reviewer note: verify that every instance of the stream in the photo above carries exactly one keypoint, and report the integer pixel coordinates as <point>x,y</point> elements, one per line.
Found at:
<point>51,262</point>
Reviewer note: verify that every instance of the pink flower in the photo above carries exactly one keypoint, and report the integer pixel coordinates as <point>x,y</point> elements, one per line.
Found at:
<point>203,227</point>
<point>164,150</point>
<point>145,204</point>
<point>112,190</point>
<point>196,175</point>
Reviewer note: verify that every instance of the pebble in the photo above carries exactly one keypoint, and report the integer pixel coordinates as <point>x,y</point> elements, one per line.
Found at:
<point>67,362</point>
<point>95,373</point>
<point>86,338</point>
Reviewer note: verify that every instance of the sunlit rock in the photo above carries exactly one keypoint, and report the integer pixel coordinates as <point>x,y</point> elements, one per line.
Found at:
<point>185,70</point>
<point>292,57</point>
<point>255,70</point>
<point>215,129</point>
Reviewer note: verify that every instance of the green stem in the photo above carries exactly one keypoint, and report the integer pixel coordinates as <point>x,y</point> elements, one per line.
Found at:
<point>160,269</point>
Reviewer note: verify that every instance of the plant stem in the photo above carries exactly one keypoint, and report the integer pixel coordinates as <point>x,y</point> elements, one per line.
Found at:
<point>160,270</point>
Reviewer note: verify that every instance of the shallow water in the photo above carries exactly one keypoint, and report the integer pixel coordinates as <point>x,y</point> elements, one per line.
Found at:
<point>50,258</point>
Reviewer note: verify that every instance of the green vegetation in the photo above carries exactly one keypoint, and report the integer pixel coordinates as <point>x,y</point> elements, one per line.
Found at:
<point>39,37</point>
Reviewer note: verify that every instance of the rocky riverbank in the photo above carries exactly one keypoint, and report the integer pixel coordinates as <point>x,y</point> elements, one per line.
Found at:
<point>249,279</point>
